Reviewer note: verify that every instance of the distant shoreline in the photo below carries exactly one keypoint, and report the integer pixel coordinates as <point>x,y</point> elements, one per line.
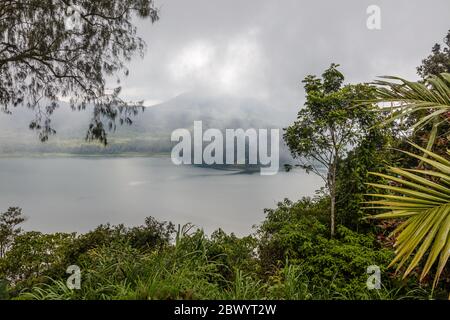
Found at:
<point>237,168</point>
<point>84,155</point>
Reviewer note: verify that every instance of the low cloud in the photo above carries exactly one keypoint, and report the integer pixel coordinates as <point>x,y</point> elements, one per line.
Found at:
<point>263,49</point>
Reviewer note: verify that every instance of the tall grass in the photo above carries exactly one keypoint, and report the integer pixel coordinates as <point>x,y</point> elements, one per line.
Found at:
<point>184,271</point>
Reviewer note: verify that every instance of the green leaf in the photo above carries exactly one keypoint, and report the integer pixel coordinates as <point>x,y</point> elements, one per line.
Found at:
<point>425,205</point>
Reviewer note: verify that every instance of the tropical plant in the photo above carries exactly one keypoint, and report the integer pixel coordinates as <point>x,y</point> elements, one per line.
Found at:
<point>328,127</point>
<point>9,229</point>
<point>422,197</point>
<point>438,61</point>
<point>68,49</point>
<point>407,98</point>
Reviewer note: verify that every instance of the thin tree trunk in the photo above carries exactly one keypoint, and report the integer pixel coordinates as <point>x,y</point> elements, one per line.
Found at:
<point>332,211</point>
<point>332,182</point>
<point>333,200</point>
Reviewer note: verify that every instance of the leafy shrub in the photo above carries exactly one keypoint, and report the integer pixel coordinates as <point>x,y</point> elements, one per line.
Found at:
<point>295,236</point>
<point>291,257</point>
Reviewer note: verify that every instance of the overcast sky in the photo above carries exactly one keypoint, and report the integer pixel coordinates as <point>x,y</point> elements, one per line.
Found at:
<point>263,49</point>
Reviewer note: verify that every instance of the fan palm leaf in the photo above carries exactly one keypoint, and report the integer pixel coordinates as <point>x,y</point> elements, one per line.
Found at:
<point>407,98</point>
<point>422,198</point>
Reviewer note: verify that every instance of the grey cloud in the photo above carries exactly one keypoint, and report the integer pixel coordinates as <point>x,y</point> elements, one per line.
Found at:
<point>290,39</point>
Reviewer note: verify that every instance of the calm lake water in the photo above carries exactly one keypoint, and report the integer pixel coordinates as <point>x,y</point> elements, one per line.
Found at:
<point>77,194</point>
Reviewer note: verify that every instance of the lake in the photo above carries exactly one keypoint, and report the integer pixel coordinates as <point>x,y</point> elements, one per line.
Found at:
<point>78,193</point>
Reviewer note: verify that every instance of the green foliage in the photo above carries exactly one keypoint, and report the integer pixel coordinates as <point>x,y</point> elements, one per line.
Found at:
<point>183,271</point>
<point>434,134</point>
<point>371,154</point>
<point>290,257</point>
<point>419,195</point>
<point>293,233</point>
<point>4,294</point>
<point>330,121</point>
<point>407,99</point>
<point>438,61</point>
<point>32,256</point>
<point>329,125</point>
<point>289,225</point>
<point>9,229</point>
<point>231,253</point>
<point>422,197</point>
<point>43,58</point>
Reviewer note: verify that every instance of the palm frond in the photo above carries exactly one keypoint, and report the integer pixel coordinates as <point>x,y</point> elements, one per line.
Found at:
<point>422,197</point>
<point>407,98</point>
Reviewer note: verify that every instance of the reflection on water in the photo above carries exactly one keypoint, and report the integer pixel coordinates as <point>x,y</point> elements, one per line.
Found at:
<point>77,194</point>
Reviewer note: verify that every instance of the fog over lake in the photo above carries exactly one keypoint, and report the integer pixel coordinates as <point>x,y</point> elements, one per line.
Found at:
<point>78,193</point>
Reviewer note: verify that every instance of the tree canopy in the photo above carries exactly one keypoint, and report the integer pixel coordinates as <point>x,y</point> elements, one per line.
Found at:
<point>53,50</point>
<point>330,123</point>
<point>9,229</point>
<point>438,61</point>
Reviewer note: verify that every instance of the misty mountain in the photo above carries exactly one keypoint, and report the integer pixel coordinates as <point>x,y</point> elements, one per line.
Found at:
<point>150,131</point>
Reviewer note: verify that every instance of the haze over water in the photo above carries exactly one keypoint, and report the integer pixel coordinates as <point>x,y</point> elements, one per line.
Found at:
<point>79,193</point>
